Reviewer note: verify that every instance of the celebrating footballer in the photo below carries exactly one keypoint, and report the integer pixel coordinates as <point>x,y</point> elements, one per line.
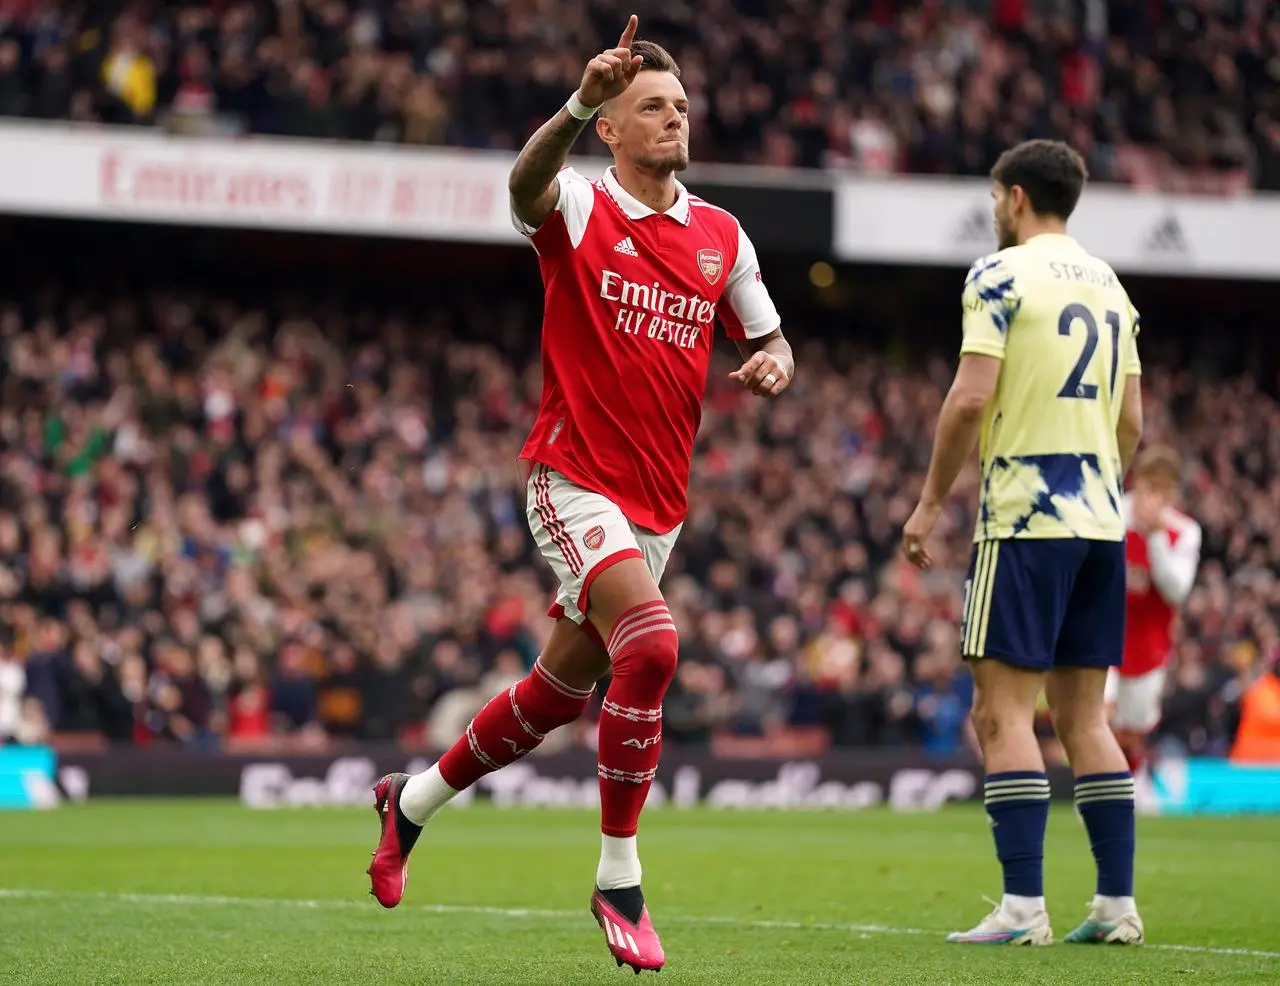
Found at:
<point>637,272</point>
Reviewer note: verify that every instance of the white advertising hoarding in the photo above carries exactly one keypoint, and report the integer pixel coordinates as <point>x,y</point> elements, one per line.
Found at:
<point>949,222</point>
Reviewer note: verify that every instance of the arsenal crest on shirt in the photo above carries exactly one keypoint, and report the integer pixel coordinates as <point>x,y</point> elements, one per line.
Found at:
<point>711,263</point>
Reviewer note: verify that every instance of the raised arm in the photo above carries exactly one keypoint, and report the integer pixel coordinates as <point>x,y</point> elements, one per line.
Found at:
<point>1174,562</point>
<point>533,184</point>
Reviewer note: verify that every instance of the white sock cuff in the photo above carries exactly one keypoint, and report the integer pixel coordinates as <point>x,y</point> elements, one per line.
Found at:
<point>619,863</point>
<point>570,692</point>
<point>1110,908</point>
<point>425,794</point>
<point>1021,908</point>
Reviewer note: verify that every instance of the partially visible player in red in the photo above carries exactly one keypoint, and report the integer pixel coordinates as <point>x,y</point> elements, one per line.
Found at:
<point>1162,552</point>
<point>637,273</point>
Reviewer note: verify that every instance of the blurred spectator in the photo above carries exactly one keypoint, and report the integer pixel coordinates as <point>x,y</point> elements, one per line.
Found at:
<point>698,705</point>
<point>1181,95</point>
<point>181,704</point>
<point>14,100</point>
<point>34,727</point>
<point>1193,706</point>
<point>93,699</point>
<point>248,701</point>
<point>293,689</point>
<point>1258,737</point>
<point>128,74</point>
<point>13,685</point>
<point>944,696</point>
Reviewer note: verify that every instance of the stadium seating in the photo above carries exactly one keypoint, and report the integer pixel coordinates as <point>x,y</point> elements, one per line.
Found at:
<point>1154,93</point>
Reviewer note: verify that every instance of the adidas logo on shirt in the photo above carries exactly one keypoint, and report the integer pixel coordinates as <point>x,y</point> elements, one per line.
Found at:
<point>626,247</point>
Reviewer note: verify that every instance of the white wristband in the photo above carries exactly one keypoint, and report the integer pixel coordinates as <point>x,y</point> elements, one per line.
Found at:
<point>578,109</point>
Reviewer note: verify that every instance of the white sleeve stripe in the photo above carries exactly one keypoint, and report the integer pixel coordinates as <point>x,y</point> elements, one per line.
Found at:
<point>1173,565</point>
<point>575,202</point>
<point>707,205</point>
<point>746,294</point>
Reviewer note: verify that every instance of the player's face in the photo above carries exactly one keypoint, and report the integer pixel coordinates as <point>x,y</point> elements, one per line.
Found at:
<point>649,124</point>
<point>1152,497</point>
<point>1006,225</point>
<point>1157,491</point>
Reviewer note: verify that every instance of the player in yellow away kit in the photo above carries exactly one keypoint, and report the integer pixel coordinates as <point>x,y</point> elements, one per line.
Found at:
<point>1049,380</point>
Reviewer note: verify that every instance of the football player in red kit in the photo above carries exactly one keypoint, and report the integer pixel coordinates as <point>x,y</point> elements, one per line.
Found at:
<point>1162,552</point>
<point>637,272</point>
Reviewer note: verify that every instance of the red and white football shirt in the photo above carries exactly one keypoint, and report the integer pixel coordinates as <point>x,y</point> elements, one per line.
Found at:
<point>1160,570</point>
<point>632,298</point>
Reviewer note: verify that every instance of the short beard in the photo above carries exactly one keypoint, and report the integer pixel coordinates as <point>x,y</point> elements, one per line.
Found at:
<point>1005,238</point>
<point>662,166</point>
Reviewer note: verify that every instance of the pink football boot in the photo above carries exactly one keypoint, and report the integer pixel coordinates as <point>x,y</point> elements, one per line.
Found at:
<point>636,945</point>
<point>389,871</point>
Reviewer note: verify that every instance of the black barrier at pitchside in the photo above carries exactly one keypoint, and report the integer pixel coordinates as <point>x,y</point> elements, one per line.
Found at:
<point>898,779</point>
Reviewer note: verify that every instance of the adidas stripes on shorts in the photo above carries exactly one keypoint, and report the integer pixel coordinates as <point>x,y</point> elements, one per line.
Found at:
<point>581,534</point>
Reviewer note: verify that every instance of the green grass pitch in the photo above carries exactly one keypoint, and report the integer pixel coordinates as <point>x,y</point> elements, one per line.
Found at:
<point>206,892</point>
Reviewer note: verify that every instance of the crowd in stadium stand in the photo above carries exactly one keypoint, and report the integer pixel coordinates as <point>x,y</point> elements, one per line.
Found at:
<point>241,526</point>
<point>1180,94</point>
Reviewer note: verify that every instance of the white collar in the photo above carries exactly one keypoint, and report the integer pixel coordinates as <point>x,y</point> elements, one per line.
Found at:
<point>635,209</point>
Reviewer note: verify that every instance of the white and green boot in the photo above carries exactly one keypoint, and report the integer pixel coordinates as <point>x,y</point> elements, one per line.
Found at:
<point>1003,928</point>
<point>1108,926</point>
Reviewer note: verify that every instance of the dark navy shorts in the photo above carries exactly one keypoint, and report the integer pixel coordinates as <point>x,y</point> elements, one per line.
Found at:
<point>1042,604</point>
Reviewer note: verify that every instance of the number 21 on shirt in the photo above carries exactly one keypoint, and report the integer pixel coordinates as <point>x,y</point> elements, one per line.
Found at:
<point>1077,314</point>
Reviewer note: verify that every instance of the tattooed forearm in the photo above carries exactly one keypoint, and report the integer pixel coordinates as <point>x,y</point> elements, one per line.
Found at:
<point>543,157</point>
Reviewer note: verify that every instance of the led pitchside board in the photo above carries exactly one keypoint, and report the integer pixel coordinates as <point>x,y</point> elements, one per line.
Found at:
<point>27,777</point>
<point>1215,787</point>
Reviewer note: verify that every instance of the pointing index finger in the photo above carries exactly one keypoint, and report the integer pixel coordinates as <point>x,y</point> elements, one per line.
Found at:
<point>629,34</point>
<point>745,371</point>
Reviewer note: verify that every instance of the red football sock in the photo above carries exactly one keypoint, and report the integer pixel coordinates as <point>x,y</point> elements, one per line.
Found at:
<point>511,725</point>
<point>643,647</point>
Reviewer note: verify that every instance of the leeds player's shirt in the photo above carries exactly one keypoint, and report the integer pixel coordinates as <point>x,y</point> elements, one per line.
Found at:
<point>1067,333</point>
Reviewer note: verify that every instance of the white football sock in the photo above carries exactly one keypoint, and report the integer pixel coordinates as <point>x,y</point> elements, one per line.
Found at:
<point>425,794</point>
<point>1021,908</point>
<point>619,863</point>
<point>1113,908</point>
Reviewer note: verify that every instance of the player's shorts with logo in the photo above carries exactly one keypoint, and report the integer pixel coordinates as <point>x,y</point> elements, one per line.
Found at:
<point>1137,700</point>
<point>1040,603</point>
<point>581,534</point>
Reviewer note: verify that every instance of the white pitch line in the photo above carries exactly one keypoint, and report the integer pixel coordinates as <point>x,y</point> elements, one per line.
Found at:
<point>203,900</point>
